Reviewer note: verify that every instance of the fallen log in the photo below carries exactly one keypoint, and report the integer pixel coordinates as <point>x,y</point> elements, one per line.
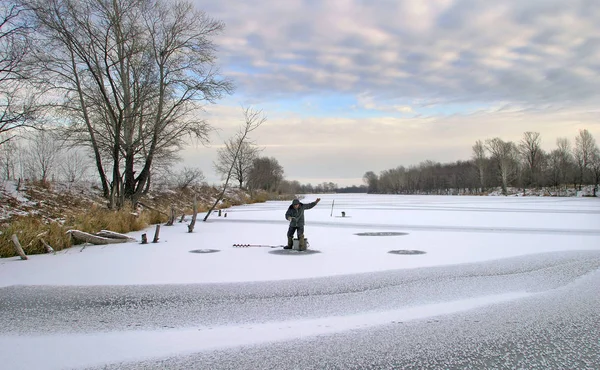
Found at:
<point>113,235</point>
<point>94,239</point>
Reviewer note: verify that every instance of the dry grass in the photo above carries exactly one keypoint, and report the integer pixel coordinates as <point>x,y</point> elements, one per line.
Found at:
<point>30,229</point>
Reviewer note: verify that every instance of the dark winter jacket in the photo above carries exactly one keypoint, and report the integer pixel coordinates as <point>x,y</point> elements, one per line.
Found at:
<point>298,214</point>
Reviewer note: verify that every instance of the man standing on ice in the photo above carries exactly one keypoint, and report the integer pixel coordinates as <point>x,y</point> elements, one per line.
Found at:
<point>295,215</point>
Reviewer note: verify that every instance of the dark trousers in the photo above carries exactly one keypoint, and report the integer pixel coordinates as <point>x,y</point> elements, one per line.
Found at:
<point>292,230</point>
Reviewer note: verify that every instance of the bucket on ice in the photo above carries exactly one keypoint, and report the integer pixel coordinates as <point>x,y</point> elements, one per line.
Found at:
<point>296,244</point>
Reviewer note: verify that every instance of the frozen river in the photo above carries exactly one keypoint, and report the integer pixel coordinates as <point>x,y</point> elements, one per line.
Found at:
<point>500,283</point>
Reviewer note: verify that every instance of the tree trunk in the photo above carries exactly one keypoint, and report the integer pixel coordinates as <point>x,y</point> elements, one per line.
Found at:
<point>193,223</point>
<point>171,220</point>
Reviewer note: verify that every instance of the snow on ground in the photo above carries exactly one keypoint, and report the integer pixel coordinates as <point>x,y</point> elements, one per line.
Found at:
<point>452,231</point>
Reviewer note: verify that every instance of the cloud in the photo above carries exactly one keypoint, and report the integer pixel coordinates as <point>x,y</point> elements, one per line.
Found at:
<point>534,51</point>
<point>368,102</point>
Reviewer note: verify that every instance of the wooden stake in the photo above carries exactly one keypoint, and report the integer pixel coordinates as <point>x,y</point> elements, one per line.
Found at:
<point>156,234</point>
<point>144,238</point>
<point>18,247</point>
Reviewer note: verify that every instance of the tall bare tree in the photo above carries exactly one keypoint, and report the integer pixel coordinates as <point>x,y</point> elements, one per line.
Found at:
<point>266,174</point>
<point>43,153</point>
<point>504,153</point>
<point>561,162</point>
<point>393,180</point>
<point>585,145</point>
<point>243,161</point>
<point>135,74</point>
<point>74,166</point>
<point>481,161</point>
<point>9,155</point>
<point>252,120</point>
<point>371,179</point>
<point>532,154</point>
<point>595,168</point>
<point>17,102</point>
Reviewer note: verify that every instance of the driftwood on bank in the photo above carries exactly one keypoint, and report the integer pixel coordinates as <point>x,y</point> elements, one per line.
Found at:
<point>47,246</point>
<point>95,239</point>
<point>18,247</point>
<point>49,249</point>
<point>112,235</point>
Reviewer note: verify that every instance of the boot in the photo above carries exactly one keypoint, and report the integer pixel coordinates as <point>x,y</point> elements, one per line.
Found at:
<point>302,246</point>
<point>290,243</point>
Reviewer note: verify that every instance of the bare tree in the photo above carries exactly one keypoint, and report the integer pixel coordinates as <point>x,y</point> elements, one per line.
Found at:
<point>134,74</point>
<point>17,102</point>
<point>43,153</point>
<point>74,165</point>
<point>585,145</point>
<point>504,153</point>
<point>532,154</point>
<point>595,168</point>
<point>392,180</point>
<point>371,180</point>
<point>480,160</point>
<point>252,120</point>
<point>189,176</point>
<point>266,174</point>
<point>8,159</point>
<point>561,162</point>
<point>242,163</point>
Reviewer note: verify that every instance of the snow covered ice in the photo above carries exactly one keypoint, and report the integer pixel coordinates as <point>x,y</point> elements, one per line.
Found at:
<point>503,282</point>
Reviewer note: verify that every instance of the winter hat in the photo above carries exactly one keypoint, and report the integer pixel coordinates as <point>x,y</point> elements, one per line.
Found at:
<point>295,201</point>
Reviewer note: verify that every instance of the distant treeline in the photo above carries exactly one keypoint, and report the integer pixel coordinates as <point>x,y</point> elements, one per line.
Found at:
<point>497,163</point>
<point>295,187</point>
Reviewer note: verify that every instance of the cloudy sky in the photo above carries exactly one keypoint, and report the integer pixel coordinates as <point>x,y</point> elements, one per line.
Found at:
<point>351,86</point>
